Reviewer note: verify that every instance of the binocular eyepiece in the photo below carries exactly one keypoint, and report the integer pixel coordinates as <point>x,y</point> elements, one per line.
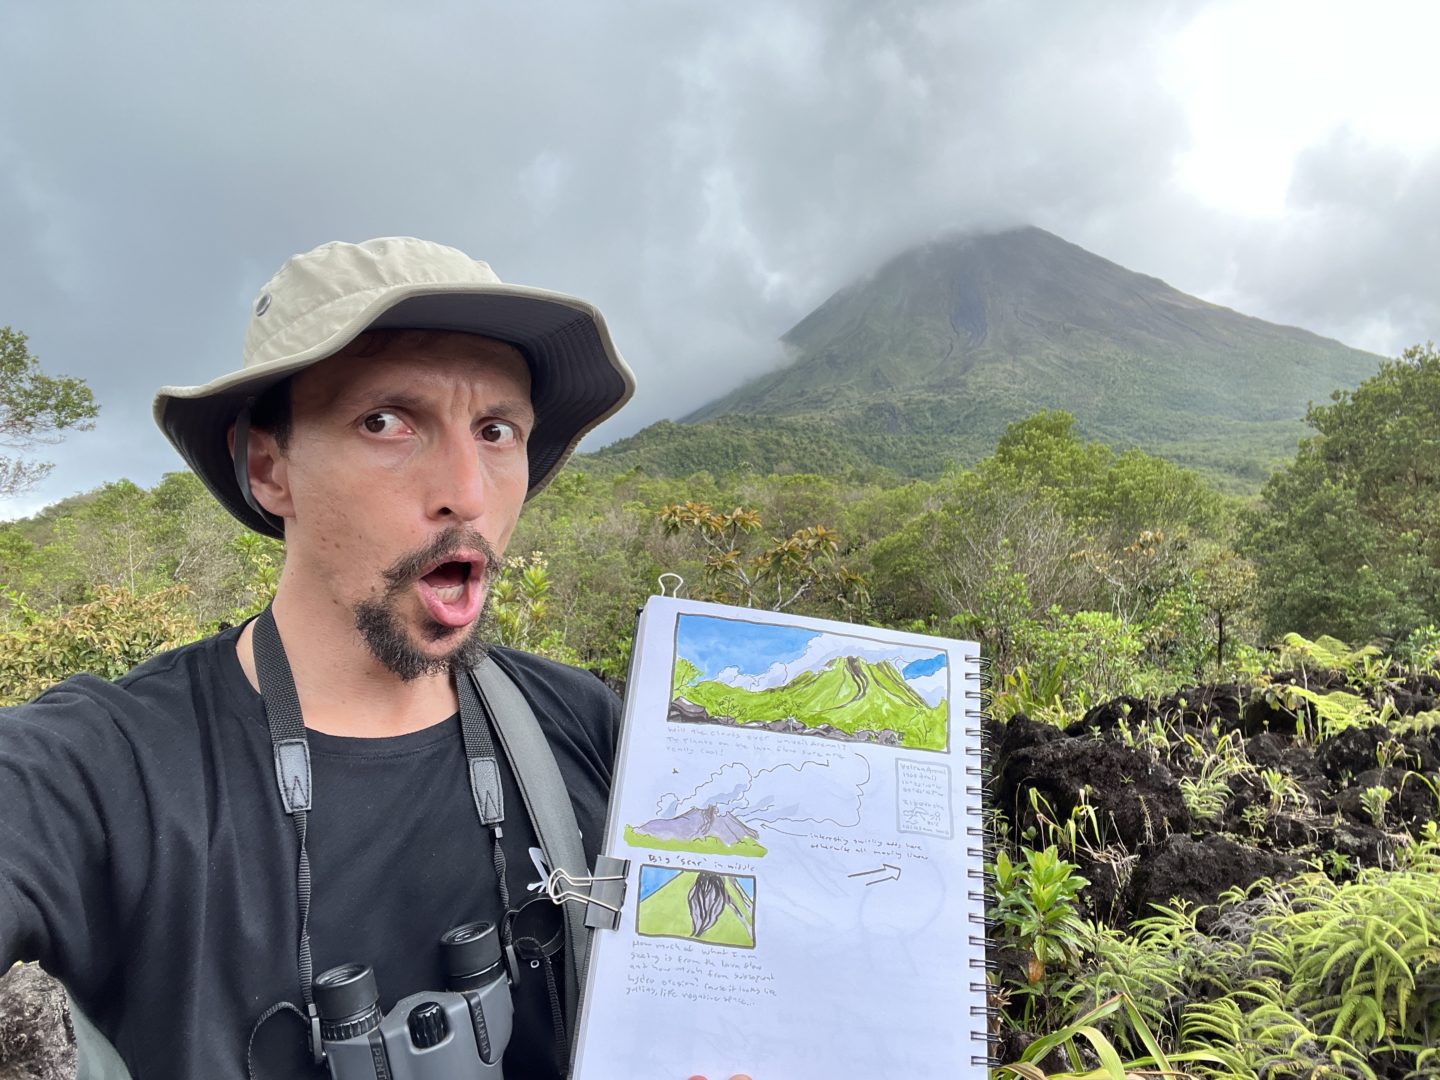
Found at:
<point>455,1034</point>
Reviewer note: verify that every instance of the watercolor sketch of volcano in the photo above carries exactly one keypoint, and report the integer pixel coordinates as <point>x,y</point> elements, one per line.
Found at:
<point>729,812</point>
<point>798,681</point>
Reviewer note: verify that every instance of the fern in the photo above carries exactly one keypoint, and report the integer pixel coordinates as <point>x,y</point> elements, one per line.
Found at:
<point>1325,653</point>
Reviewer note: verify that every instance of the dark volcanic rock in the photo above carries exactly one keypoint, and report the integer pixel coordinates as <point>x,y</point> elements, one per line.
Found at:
<point>36,1040</point>
<point>1408,702</point>
<point>1266,750</point>
<point>1222,703</point>
<point>1108,715</point>
<point>1363,844</point>
<point>1198,871</point>
<point>1412,797</point>
<point>1136,799</point>
<point>1020,732</point>
<point>1352,752</point>
<point>687,712</point>
<point>1261,716</point>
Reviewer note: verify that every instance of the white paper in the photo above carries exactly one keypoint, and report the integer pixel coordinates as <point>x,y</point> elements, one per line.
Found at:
<point>800,904</point>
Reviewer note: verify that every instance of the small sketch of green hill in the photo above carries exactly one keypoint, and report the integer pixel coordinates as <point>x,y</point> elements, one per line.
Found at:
<point>701,845</point>
<point>666,913</point>
<point>849,694</point>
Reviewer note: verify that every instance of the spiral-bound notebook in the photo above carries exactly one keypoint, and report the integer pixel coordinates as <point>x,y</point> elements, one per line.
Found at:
<point>796,855</point>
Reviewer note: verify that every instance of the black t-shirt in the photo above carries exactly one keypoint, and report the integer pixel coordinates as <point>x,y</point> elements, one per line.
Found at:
<point>146,861</point>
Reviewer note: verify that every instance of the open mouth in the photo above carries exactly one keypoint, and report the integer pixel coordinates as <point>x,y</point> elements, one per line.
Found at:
<point>452,591</point>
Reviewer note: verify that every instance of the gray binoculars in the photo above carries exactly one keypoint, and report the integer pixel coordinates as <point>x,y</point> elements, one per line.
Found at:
<point>459,1033</point>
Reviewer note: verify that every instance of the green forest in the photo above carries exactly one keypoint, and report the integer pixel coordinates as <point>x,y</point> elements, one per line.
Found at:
<point>1184,679</point>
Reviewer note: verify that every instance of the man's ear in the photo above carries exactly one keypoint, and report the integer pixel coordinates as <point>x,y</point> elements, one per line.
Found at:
<point>265,470</point>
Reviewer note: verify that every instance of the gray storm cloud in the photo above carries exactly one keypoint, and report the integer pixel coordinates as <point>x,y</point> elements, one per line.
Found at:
<point>707,174</point>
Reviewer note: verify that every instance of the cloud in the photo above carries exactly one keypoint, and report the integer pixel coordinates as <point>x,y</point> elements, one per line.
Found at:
<point>707,174</point>
<point>829,791</point>
<point>932,688</point>
<point>819,652</point>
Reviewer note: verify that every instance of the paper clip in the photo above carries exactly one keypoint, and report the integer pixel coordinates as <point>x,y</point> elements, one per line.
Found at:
<point>561,887</point>
<point>670,590</point>
<point>602,892</point>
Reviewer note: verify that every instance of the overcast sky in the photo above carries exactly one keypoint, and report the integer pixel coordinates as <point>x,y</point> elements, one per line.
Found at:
<point>707,173</point>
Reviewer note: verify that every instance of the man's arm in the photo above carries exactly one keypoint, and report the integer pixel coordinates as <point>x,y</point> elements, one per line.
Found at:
<point>67,779</point>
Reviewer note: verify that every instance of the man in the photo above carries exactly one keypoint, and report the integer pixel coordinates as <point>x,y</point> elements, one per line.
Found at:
<point>396,406</point>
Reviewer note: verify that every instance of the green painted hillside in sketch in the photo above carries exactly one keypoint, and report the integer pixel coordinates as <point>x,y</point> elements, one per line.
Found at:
<point>849,694</point>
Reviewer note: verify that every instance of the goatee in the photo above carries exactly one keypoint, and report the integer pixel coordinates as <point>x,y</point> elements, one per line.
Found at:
<point>385,634</point>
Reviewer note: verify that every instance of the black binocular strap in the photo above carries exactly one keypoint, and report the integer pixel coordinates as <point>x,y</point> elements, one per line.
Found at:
<point>484,768</point>
<point>292,776</point>
<point>547,799</point>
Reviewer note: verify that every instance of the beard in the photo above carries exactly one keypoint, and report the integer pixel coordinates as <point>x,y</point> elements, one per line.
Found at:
<point>384,632</point>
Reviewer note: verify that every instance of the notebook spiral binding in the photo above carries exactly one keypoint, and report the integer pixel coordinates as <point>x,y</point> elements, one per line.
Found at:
<point>979,782</point>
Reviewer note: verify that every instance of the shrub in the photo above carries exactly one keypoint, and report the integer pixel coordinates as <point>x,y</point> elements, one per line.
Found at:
<point>106,637</point>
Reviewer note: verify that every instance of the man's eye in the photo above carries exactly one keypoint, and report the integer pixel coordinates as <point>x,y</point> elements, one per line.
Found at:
<point>497,431</point>
<point>379,423</point>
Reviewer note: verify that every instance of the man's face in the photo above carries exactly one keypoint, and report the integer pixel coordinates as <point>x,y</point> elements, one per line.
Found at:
<point>406,471</point>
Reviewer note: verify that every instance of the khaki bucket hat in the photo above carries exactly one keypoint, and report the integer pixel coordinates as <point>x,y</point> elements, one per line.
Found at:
<point>318,302</point>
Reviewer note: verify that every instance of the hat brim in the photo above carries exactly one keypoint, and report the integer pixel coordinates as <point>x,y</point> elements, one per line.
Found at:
<point>578,379</point>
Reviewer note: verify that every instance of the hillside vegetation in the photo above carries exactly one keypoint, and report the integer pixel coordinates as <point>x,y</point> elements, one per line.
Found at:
<point>1172,725</point>
<point>850,695</point>
<point>928,359</point>
<point>1051,548</point>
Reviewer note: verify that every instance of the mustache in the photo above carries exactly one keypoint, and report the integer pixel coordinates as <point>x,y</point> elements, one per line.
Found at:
<point>456,538</point>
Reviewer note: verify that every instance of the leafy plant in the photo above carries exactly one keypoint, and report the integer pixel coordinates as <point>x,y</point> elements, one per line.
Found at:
<point>1283,792</point>
<point>106,637</point>
<point>1420,650</point>
<point>1206,795</point>
<point>1080,829</point>
<point>1035,691</point>
<point>1085,1028</point>
<point>1036,910</point>
<point>1363,958</point>
<point>1373,801</point>
<point>520,603</point>
<point>1391,752</point>
<point>1421,723</point>
<point>1337,863</point>
<point>1336,973</point>
<point>1147,966</point>
<point>1253,1035</point>
<point>774,575</point>
<point>1325,653</point>
<point>1256,818</point>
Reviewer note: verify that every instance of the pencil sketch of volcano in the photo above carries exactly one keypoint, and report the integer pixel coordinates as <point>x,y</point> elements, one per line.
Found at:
<point>698,822</point>
<point>726,813</point>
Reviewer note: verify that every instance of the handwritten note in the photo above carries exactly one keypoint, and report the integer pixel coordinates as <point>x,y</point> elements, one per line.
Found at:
<point>923,798</point>
<point>678,971</point>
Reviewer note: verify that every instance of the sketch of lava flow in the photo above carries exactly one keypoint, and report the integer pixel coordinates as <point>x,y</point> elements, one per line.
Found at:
<point>728,812</point>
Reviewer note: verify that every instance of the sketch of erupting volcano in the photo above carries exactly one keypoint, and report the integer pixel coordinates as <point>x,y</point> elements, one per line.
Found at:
<point>727,814</point>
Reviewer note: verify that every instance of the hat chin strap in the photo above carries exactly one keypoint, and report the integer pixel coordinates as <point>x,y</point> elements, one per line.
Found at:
<point>241,457</point>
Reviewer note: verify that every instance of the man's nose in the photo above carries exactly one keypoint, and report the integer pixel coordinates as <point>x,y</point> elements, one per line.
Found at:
<point>458,481</point>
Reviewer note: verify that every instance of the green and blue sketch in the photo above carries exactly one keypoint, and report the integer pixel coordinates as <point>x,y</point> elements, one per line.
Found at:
<point>797,681</point>
<point>698,905</point>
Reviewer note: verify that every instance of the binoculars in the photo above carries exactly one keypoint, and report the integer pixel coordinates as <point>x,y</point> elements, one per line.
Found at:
<point>456,1034</point>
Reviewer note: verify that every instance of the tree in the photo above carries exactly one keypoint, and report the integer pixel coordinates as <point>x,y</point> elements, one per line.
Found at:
<point>1349,541</point>
<point>777,575</point>
<point>34,409</point>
